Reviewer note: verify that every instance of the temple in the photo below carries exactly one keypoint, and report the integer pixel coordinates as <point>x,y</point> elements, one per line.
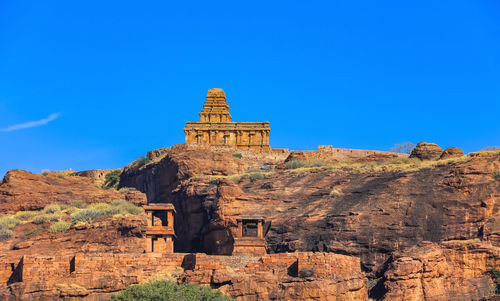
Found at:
<point>249,239</point>
<point>216,129</point>
<point>160,232</point>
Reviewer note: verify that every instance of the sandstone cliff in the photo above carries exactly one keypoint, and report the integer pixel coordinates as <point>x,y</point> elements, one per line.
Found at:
<point>371,210</point>
<point>422,230</point>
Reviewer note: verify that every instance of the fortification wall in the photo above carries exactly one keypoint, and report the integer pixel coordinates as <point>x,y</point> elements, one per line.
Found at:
<point>329,153</point>
<point>98,176</point>
<point>97,276</point>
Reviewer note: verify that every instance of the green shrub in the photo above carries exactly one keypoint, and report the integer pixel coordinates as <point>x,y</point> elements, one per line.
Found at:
<point>8,222</point>
<point>52,208</point>
<point>495,274</point>
<point>68,209</point>
<point>34,232</point>
<point>61,176</point>
<point>26,215</point>
<point>79,204</point>
<point>126,189</point>
<point>256,176</point>
<point>41,219</point>
<point>496,175</point>
<point>317,164</point>
<point>235,178</point>
<point>86,215</point>
<point>141,161</point>
<point>5,233</point>
<point>125,207</point>
<point>98,210</point>
<point>169,291</point>
<point>112,179</point>
<point>60,226</point>
<point>54,217</point>
<point>45,172</point>
<point>295,164</point>
<point>105,208</point>
<point>238,155</point>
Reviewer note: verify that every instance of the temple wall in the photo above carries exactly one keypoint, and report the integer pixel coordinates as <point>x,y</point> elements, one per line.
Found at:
<point>97,276</point>
<point>243,135</point>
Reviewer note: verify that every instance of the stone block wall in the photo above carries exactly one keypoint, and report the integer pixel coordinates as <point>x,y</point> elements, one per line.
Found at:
<point>329,153</point>
<point>97,276</point>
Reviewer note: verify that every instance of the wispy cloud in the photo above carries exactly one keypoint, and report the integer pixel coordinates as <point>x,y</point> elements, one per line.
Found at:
<point>31,124</point>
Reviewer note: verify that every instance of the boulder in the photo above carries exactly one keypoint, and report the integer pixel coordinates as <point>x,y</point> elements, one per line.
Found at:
<point>426,151</point>
<point>452,152</point>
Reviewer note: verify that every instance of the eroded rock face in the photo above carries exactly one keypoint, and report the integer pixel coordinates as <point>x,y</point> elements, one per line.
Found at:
<point>454,270</point>
<point>423,231</point>
<point>360,213</point>
<point>426,151</point>
<point>23,190</point>
<point>452,152</point>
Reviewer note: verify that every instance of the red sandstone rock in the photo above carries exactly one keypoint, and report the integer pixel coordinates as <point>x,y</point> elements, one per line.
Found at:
<point>455,270</point>
<point>274,276</point>
<point>452,152</point>
<point>371,214</point>
<point>426,151</point>
<point>374,215</point>
<point>23,190</point>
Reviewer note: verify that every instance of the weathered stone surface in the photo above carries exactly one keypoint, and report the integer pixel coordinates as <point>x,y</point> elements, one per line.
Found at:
<point>23,190</point>
<point>454,270</point>
<point>370,215</point>
<point>328,153</point>
<point>274,276</point>
<point>381,216</point>
<point>116,235</point>
<point>426,151</point>
<point>452,152</point>
<point>215,127</point>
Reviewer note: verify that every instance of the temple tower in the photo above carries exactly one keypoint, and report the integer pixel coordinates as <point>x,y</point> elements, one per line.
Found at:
<point>215,108</point>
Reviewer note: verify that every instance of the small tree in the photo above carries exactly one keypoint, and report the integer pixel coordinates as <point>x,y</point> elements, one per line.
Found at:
<point>112,179</point>
<point>403,148</point>
<point>141,161</point>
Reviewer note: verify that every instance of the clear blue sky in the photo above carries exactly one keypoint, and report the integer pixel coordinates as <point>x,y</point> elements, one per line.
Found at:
<point>103,82</point>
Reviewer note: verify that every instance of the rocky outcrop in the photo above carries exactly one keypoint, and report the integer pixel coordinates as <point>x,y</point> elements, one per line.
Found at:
<point>426,151</point>
<point>114,235</point>
<point>423,229</point>
<point>454,270</point>
<point>23,190</point>
<point>356,212</point>
<point>452,152</point>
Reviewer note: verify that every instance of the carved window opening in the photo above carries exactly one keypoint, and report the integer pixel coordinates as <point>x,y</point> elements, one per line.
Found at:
<point>160,219</point>
<point>198,139</point>
<point>249,228</point>
<point>226,139</point>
